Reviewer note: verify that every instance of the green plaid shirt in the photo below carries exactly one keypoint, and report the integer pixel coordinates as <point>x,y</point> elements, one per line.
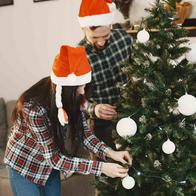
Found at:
<point>107,64</point>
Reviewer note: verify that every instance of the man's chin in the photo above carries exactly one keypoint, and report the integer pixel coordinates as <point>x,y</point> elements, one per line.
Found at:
<point>99,48</point>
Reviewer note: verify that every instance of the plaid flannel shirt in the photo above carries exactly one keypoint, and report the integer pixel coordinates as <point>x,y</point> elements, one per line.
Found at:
<point>106,64</point>
<point>31,150</point>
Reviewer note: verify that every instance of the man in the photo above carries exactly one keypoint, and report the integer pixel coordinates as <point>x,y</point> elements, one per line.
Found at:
<point>107,50</point>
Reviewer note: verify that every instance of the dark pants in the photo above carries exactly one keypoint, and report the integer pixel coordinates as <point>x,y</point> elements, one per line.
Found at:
<point>103,130</point>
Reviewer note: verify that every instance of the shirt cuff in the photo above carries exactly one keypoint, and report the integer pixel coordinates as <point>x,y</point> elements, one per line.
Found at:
<point>96,168</point>
<point>91,110</point>
<point>105,151</point>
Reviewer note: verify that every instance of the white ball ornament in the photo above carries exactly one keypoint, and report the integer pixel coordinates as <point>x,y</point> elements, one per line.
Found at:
<point>168,147</point>
<point>190,56</point>
<point>187,105</point>
<point>143,36</point>
<point>128,182</point>
<point>126,127</point>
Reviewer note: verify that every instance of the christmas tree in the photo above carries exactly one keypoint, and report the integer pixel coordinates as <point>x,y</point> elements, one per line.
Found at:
<point>157,111</point>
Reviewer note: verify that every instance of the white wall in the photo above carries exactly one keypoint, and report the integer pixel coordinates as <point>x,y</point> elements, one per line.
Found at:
<point>30,37</point>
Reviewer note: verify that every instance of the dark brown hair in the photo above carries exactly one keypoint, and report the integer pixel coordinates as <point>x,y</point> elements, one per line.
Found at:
<point>43,93</point>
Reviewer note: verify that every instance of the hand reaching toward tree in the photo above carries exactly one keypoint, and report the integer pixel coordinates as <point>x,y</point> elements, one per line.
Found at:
<point>121,156</point>
<point>105,111</point>
<point>114,170</point>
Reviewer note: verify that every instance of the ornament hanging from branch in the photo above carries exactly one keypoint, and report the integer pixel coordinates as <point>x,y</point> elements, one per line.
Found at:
<point>143,36</point>
<point>128,182</point>
<point>126,127</point>
<point>187,105</point>
<point>168,147</point>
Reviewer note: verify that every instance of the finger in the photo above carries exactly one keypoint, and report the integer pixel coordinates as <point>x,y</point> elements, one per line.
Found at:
<point>128,158</point>
<point>107,111</point>
<point>130,161</point>
<point>124,170</point>
<point>110,106</point>
<point>107,117</point>
<point>120,167</point>
<point>123,161</point>
<point>122,175</point>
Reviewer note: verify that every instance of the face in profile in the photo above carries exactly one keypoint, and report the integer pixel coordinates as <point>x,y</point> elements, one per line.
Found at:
<point>81,90</point>
<point>98,37</point>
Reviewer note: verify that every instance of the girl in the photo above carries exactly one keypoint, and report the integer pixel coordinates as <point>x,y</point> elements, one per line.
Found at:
<point>35,152</point>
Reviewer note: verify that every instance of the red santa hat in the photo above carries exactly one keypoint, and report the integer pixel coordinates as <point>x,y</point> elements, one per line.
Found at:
<point>70,68</point>
<point>96,13</point>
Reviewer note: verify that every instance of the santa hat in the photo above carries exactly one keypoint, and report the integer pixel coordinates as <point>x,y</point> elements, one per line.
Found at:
<point>96,13</point>
<point>70,68</point>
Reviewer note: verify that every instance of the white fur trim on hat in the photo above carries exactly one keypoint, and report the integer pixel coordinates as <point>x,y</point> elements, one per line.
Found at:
<point>112,7</point>
<point>97,20</point>
<point>71,79</point>
<point>58,96</point>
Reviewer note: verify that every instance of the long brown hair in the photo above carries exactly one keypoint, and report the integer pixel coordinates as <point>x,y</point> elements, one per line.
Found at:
<point>43,93</point>
<point>40,92</point>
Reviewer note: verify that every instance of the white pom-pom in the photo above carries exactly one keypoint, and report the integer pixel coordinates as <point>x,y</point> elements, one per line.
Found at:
<point>187,105</point>
<point>71,78</point>
<point>191,55</point>
<point>143,36</point>
<point>128,182</point>
<point>61,117</point>
<point>126,127</point>
<point>168,147</point>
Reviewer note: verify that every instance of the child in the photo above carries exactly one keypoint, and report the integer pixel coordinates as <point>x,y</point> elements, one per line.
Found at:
<point>35,152</point>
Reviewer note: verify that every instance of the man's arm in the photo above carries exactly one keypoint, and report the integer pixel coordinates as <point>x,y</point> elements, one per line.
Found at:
<point>101,111</point>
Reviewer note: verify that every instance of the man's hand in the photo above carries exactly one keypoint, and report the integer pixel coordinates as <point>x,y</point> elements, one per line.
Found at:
<point>121,156</point>
<point>105,111</point>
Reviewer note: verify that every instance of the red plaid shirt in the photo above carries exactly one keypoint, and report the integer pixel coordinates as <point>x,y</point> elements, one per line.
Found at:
<point>31,150</point>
